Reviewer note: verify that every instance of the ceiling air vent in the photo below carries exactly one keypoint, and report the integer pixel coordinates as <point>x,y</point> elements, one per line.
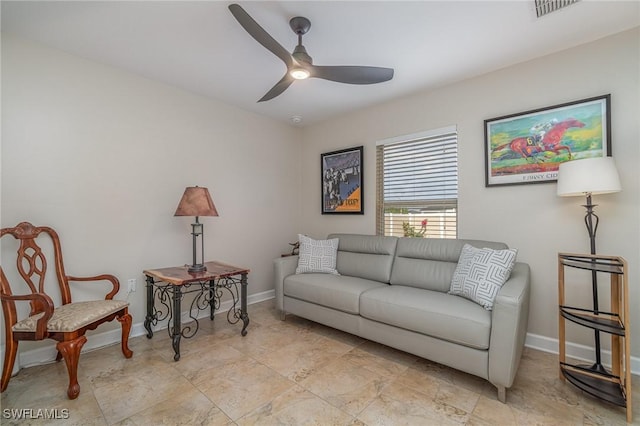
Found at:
<point>544,7</point>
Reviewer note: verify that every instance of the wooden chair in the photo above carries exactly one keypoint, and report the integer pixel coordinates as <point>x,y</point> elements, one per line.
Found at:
<point>66,323</point>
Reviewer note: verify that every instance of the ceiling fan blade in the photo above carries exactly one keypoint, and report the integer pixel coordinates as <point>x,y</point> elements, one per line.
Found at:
<point>259,34</point>
<point>280,87</point>
<point>352,74</point>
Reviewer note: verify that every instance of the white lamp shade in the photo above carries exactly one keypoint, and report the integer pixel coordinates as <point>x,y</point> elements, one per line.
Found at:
<point>588,176</point>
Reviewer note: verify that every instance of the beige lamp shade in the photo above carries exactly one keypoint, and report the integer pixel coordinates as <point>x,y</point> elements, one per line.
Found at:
<point>588,176</point>
<point>196,201</point>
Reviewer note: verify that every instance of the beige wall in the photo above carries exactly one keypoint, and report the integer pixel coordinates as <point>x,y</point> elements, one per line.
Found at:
<point>103,156</point>
<point>529,217</point>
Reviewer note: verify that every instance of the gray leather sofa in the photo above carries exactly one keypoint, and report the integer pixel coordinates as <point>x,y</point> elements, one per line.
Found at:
<point>394,291</point>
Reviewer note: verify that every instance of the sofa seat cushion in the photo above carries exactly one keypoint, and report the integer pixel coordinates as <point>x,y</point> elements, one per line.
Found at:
<point>432,313</point>
<point>333,291</point>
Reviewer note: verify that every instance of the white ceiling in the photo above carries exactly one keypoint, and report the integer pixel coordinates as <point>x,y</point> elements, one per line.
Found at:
<point>200,47</point>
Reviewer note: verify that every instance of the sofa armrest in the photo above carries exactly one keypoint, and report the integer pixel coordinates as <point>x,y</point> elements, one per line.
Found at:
<point>509,320</point>
<point>283,267</point>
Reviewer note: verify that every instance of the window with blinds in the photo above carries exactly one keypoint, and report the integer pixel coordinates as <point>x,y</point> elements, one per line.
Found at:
<point>417,185</point>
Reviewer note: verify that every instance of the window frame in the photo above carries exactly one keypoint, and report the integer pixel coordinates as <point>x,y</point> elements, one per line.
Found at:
<point>446,206</point>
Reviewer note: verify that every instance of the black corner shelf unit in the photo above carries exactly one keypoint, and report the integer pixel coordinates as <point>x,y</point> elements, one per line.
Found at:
<point>613,386</point>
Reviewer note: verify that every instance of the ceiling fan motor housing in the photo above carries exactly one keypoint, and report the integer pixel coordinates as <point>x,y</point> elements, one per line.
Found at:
<point>301,56</point>
<point>300,25</point>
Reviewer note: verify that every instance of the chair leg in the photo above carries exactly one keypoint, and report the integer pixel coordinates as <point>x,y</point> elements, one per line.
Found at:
<point>125,320</point>
<point>9,359</point>
<point>70,351</point>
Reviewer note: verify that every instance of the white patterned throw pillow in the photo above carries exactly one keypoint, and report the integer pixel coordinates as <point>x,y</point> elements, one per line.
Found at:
<point>317,255</point>
<point>481,272</point>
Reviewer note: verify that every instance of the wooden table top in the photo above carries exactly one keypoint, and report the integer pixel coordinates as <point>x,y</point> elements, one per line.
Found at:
<point>179,275</point>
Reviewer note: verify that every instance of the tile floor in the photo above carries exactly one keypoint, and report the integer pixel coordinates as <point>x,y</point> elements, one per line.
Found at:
<point>295,373</point>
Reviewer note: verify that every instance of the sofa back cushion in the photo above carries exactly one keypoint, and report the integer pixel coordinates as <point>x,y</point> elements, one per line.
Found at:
<point>429,263</point>
<point>365,256</point>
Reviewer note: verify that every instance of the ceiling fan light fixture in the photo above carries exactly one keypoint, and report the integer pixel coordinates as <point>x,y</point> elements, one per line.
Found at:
<point>299,73</point>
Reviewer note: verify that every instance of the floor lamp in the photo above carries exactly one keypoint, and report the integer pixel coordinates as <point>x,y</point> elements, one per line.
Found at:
<point>589,177</point>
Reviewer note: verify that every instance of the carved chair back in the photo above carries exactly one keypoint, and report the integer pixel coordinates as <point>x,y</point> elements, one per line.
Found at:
<point>31,263</point>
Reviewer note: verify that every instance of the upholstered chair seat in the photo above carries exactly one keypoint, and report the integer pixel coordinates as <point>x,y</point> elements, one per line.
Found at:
<point>73,316</point>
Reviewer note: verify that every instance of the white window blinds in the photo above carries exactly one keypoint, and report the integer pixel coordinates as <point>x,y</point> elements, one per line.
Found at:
<point>417,185</point>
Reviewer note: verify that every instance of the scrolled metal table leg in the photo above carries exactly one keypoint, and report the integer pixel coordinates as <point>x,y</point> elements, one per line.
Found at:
<point>243,304</point>
<point>150,304</point>
<point>212,301</point>
<point>175,342</point>
<point>177,326</point>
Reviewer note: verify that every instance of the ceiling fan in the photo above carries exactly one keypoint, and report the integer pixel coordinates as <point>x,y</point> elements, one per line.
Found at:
<point>299,63</point>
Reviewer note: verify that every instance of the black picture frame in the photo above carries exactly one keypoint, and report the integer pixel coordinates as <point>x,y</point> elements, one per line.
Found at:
<point>528,147</point>
<point>341,179</point>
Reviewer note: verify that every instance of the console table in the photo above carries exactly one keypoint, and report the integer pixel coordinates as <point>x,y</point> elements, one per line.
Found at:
<point>169,285</point>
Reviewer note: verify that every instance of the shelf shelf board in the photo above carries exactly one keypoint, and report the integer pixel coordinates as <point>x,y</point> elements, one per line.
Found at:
<point>604,321</point>
<point>592,264</point>
<point>595,384</point>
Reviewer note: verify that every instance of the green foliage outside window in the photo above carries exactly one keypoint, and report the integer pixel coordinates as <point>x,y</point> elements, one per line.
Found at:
<point>410,231</point>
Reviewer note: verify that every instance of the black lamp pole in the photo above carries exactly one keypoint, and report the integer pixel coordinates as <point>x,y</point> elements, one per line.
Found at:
<point>591,221</point>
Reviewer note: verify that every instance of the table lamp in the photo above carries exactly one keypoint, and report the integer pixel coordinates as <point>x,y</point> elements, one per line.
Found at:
<point>587,177</point>
<point>196,201</point>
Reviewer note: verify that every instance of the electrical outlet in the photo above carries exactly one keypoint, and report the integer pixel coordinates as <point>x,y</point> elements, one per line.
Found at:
<point>131,285</point>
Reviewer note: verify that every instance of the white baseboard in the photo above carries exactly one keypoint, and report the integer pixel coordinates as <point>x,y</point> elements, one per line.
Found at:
<point>100,340</point>
<point>576,351</point>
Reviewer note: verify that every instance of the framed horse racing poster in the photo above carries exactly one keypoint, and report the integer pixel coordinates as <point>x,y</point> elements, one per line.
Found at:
<point>342,186</point>
<point>528,147</point>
